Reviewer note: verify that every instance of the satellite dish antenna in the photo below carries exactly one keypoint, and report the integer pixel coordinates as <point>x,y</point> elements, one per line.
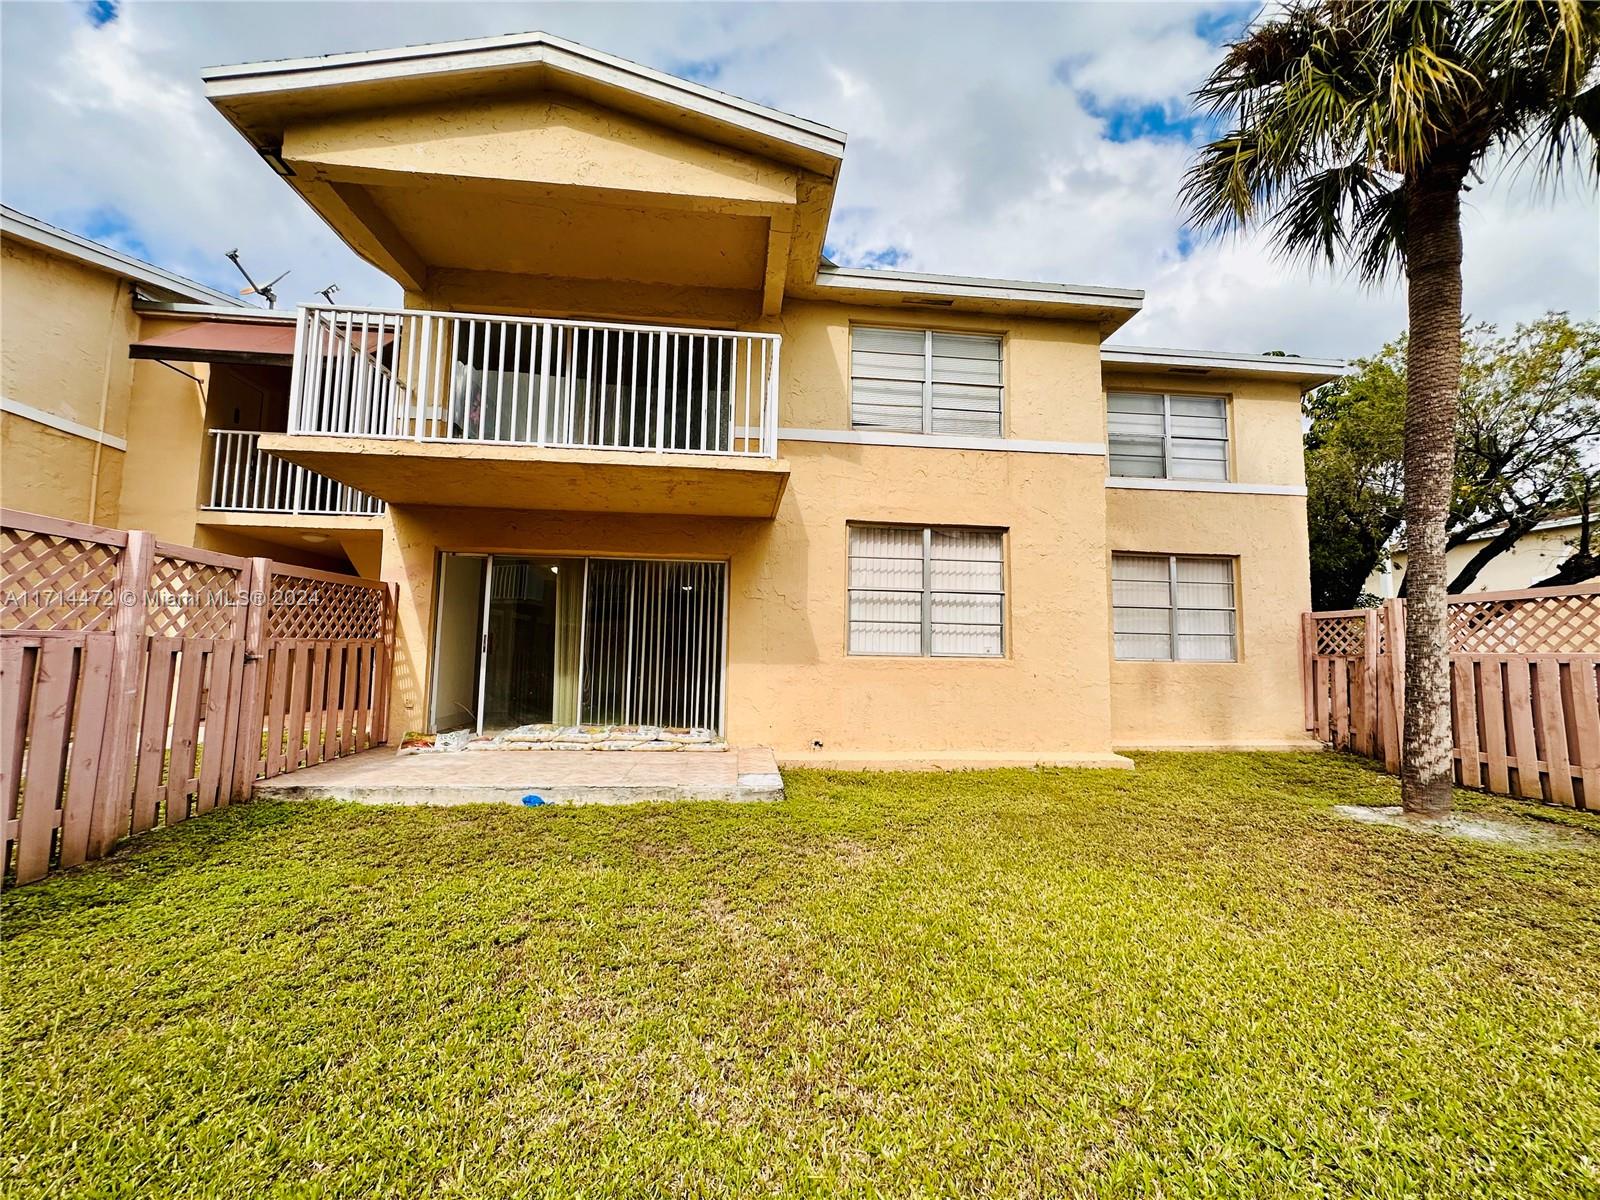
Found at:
<point>264,290</point>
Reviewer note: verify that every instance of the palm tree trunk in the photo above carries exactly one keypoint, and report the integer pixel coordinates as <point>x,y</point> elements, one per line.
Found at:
<point>1433,383</point>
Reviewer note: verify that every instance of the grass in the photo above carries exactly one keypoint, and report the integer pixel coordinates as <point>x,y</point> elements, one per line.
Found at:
<point>1189,980</point>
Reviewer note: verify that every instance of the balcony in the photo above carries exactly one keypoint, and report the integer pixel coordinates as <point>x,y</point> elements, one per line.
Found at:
<point>416,407</point>
<point>245,479</point>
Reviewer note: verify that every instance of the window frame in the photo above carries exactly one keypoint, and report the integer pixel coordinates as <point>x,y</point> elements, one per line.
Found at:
<point>928,332</point>
<point>1166,399</point>
<point>1172,607</point>
<point>927,590</point>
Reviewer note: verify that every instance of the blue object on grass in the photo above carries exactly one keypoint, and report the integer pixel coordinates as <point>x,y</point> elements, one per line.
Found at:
<point>532,801</point>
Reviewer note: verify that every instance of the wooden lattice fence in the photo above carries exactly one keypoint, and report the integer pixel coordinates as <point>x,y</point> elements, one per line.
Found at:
<point>142,683</point>
<point>1524,697</point>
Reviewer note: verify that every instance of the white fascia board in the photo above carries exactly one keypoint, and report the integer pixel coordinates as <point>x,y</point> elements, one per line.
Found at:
<point>35,232</point>
<point>521,50</point>
<point>221,312</point>
<point>1223,362</point>
<point>976,287</point>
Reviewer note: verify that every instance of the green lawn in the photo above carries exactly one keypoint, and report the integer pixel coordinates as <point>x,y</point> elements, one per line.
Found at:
<point>1189,980</point>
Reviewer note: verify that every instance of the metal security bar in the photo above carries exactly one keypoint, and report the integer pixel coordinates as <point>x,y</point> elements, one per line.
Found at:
<point>246,479</point>
<point>654,637</point>
<point>464,377</point>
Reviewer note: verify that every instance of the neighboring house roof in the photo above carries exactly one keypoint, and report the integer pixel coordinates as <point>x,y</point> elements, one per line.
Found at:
<point>1559,521</point>
<point>154,281</point>
<point>255,96</point>
<point>1308,372</point>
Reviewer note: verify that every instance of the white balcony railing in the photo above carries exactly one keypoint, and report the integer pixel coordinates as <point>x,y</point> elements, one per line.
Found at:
<point>459,377</point>
<point>245,479</point>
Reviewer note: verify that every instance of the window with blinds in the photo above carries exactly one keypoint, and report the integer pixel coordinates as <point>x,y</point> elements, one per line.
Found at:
<point>1158,436</point>
<point>1169,608</point>
<point>920,381</point>
<point>926,591</point>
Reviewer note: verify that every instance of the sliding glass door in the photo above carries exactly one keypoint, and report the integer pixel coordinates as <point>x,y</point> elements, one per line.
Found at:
<point>654,643</point>
<point>507,642</point>
<point>521,640</point>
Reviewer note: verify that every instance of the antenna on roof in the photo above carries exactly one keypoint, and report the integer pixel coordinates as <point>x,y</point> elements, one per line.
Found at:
<point>264,290</point>
<point>327,292</point>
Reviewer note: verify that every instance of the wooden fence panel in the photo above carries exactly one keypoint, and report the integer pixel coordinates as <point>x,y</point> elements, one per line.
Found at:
<point>1524,694</point>
<point>88,746</point>
<point>141,682</point>
<point>328,643</point>
<point>56,689</point>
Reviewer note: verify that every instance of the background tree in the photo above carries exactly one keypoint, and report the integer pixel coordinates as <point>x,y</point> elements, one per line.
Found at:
<point>1355,125</point>
<point>1527,449</point>
<point>1354,443</point>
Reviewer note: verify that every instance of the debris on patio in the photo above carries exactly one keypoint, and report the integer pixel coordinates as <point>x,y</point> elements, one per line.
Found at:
<point>651,738</point>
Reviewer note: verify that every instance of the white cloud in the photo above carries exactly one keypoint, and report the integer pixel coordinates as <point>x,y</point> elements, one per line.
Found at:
<point>974,147</point>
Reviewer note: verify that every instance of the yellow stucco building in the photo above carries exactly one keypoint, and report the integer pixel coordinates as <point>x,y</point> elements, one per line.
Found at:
<point>635,453</point>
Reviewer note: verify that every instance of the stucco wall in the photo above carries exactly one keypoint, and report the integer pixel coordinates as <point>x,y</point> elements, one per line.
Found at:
<point>161,480</point>
<point>64,351</point>
<point>791,682</point>
<point>44,470</point>
<point>1255,701</point>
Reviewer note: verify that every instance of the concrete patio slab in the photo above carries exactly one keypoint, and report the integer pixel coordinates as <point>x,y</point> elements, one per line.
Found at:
<point>549,777</point>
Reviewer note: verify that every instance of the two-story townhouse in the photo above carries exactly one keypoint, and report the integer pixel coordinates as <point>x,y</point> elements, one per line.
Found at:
<point>643,456</point>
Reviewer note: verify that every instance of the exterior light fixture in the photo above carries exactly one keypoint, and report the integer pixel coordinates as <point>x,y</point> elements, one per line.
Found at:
<point>274,159</point>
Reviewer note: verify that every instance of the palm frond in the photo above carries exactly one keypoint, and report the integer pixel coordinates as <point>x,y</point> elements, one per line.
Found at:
<point>1332,105</point>
<point>1377,238</point>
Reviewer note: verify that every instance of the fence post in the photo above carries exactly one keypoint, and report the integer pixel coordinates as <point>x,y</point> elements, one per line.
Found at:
<point>1308,650</point>
<point>110,818</point>
<point>1394,623</point>
<point>1371,702</point>
<point>384,672</point>
<point>247,747</point>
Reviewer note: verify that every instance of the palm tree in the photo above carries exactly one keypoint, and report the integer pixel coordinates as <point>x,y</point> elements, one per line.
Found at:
<point>1354,126</point>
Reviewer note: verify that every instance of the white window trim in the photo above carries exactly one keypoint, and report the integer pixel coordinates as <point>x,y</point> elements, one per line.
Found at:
<point>1173,609</point>
<point>927,373</point>
<point>1166,475</point>
<point>1136,482</point>
<point>927,650</point>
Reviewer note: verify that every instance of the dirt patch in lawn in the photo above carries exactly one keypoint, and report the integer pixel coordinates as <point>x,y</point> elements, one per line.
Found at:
<point>1496,830</point>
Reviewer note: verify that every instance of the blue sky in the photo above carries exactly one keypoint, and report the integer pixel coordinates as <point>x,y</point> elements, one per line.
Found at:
<point>1040,141</point>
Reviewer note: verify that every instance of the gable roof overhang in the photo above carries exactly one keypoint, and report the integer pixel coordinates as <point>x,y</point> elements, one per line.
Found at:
<point>766,187</point>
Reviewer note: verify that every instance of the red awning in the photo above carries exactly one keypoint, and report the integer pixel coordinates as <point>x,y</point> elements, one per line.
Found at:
<point>222,341</point>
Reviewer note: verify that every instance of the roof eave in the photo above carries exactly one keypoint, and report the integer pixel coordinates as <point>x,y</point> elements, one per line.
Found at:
<point>1111,306</point>
<point>820,147</point>
<point>35,232</point>
<point>1308,372</point>
<point>214,312</point>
